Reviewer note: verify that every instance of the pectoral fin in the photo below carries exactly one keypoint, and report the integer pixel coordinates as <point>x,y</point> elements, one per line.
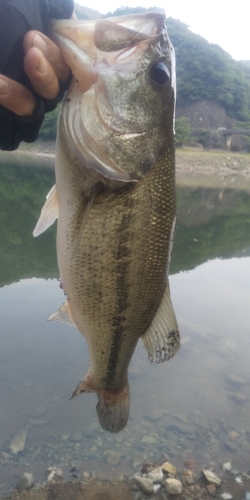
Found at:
<point>49,212</point>
<point>162,338</point>
<point>63,315</point>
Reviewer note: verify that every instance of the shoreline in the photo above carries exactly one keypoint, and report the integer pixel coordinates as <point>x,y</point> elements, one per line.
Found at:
<point>194,167</point>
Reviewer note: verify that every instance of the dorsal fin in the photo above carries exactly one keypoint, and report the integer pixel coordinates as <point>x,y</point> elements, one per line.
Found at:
<point>63,315</point>
<point>49,212</point>
<point>162,338</point>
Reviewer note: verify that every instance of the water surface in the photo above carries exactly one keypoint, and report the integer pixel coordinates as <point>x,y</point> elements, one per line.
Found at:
<point>195,406</point>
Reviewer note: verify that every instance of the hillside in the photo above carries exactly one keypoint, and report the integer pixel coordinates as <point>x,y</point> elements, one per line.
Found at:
<point>213,90</point>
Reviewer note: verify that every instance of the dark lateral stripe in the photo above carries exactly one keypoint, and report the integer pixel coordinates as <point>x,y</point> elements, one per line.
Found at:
<point>122,290</point>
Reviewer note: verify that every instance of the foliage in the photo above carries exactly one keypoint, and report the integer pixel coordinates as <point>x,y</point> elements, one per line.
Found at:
<point>48,129</point>
<point>182,130</point>
<point>206,71</point>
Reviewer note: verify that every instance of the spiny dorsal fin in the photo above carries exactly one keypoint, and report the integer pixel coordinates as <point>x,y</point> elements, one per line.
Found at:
<point>162,338</point>
<point>63,315</point>
<point>49,212</point>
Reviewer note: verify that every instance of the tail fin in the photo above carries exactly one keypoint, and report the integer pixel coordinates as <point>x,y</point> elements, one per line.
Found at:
<point>112,407</point>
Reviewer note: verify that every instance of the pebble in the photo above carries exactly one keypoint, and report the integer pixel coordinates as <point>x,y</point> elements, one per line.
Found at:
<point>18,442</point>
<point>238,480</point>
<point>235,379</point>
<point>233,435</point>
<point>211,477</point>
<point>155,415</point>
<point>157,488</point>
<point>247,497</point>
<point>227,466</point>
<point>156,475</point>
<point>173,486</point>
<point>169,468</point>
<point>239,397</point>
<point>54,474</point>
<point>188,477</point>
<point>25,482</point>
<point>145,484</point>
<point>111,457</point>
<point>226,496</point>
<point>76,437</point>
<point>149,439</point>
<point>211,489</point>
<point>189,463</point>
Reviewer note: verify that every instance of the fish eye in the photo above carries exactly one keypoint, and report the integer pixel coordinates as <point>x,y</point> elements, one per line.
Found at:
<point>159,73</point>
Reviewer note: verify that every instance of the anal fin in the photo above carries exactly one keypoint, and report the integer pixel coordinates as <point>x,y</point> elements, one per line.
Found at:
<point>63,315</point>
<point>49,212</point>
<point>162,338</point>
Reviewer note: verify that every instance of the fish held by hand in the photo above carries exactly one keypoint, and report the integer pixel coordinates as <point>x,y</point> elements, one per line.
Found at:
<point>115,198</point>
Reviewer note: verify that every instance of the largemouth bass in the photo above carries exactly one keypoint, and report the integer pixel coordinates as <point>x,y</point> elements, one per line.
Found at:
<point>115,198</point>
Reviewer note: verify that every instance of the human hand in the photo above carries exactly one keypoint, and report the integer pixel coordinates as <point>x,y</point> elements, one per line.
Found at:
<point>45,67</point>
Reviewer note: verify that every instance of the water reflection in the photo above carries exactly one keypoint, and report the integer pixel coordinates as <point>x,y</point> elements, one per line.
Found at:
<point>181,409</point>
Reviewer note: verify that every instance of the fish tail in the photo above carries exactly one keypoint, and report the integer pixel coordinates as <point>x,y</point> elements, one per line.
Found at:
<point>113,409</point>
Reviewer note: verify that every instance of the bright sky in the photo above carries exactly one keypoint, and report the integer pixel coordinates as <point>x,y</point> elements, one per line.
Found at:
<point>219,21</point>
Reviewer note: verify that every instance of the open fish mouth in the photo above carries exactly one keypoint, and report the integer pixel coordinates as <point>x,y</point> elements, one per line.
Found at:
<point>90,46</point>
<point>99,52</point>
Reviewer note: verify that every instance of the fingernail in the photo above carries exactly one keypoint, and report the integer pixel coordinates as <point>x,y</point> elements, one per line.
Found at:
<point>43,65</point>
<point>4,87</point>
<point>40,43</point>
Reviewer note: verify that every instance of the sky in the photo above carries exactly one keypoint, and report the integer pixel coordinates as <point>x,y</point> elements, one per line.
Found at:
<point>219,21</point>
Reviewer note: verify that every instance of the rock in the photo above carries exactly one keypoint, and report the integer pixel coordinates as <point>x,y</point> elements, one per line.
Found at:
<point>111,457</point>
<point>227,466</point>
<point>87,476</point>
<point>155,415</point>
<point>188,477</point>
<point>182,418</point>
<point>238,480</point>
<point>148,467</point>
<point>226,496</point>
<point>76,437</point>
<point>25,482</point>
<point>233,435</point>
<point>189,463</point>
<point>54,475</point>
<point>239,397</point>
<point>149,439</point>
<point>169,468</point>
<point>157,488</point>
<point>18,442</point>
<point>173,486</point>
<point>235,379</point>
<point>145,485</point>
<point>211,477</point>
<point>156,475</point>
<point>211,489</point>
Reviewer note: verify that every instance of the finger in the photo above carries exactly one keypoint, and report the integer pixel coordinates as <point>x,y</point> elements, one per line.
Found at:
<point>50,50</point>
<point>15,97</point>
<point>41,74</point>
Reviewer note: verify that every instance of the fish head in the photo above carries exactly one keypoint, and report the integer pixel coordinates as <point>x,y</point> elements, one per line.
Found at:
<point>118,115</point>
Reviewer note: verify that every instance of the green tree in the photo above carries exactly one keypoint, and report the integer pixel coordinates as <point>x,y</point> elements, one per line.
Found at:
<point>182,130</point>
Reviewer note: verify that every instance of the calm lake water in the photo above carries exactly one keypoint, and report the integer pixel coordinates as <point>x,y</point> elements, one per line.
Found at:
<point>195,406</point>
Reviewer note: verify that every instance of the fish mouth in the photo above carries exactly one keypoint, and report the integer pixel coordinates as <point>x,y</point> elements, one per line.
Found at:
<point>96,50</point>
<point>91,46</point>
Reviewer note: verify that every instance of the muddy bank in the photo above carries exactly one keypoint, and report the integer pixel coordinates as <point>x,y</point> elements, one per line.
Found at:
<point>189,161</point>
